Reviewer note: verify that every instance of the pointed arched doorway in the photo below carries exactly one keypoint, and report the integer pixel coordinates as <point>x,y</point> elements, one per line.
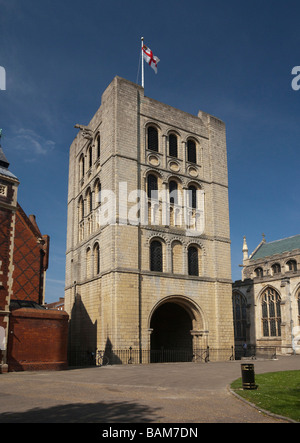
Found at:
<point>174,324</point>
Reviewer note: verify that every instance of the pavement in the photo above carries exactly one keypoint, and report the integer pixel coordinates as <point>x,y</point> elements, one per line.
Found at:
<point>156,393</point>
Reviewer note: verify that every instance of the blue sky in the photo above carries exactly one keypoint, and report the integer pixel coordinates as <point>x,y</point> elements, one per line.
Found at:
<point>231,59</point>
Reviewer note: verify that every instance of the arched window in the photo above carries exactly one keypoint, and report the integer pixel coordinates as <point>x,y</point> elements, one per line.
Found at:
<point>97,193</point>
<point>292,265</point>
<point>271,313</point>
<point>98,145</point>
<point>276,268</point>
<point>90,157</point>
<point>239,305</point>
<point>152,139</point>
<point>89,196</point>
<point>191,151</point>
<point>152,186</point>
<point>81,209</point>
<point>173,190</point>
<point>193,261</point>
<point>96,259</point>
<point>81,166</point>
<point>192,197</point>
<point>259,272</point>
<point>173,148</point>
<point>156,256</point>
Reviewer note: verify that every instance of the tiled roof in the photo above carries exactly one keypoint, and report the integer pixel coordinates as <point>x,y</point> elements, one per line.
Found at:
<point>277,247</point>
<point>3,160</point>
<point>4,164</point>
<point>7,173</point>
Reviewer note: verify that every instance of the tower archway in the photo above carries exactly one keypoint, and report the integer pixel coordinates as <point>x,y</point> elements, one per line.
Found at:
<point>177,328</point>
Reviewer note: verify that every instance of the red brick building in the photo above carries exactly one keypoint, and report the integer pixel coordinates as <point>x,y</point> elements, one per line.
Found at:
<point>58,305</point>
<point>31,337</point>
<point>31,257</point>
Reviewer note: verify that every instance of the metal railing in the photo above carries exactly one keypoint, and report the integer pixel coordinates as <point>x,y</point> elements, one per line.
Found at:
<point>255,352</point>
<point>87,357</point>
<point>84,357</point>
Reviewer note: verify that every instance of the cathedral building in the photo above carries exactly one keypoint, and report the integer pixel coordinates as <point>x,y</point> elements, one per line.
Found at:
<point>148,243</point>
<point>266,302</point>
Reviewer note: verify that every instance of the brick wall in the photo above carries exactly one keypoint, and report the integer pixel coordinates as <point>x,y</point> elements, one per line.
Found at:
<point>37,340</point>
<point>30,259</point>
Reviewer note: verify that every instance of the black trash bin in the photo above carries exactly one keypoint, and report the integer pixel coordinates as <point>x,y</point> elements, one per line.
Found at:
<point>248,377</point>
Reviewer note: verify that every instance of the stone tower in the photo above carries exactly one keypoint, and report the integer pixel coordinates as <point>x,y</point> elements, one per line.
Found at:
<point>148,243</point>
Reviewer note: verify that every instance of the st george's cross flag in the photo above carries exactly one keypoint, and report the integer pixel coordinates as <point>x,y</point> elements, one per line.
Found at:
<point>151,59</point>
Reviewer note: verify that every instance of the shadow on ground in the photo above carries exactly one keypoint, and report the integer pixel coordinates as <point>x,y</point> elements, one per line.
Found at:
<point>125,412</point>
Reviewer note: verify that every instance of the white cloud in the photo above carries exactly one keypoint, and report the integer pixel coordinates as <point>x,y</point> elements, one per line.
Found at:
<point>57,282</point>
<point>33,143</point>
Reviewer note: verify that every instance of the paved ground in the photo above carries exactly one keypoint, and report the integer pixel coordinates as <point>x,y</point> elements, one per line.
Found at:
<point>157,393</point>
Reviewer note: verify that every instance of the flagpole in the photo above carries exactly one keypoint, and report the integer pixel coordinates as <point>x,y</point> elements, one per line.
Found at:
<point>143,80</point>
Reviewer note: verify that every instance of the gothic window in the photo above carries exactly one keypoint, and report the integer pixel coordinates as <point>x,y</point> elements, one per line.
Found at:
<point>81,209</point>
<point>90,157</point>
<point>271,313</point>
<point>276,268</point>
<point>152,139</point>
<point>96,259</point>
<point>81,166</point>
<point>152,186</point>
<point>239,304</point>
<point>193,261</point>
<point>292,265</point>
<point>156,256</point>
<point>173,188</point>
<point>97,193</point>
<point>191,151</point>
<point>259,272</point>
<point>89,200</point>
<point>192,197</point>
<point>173,149</point>
<point>98,145</point>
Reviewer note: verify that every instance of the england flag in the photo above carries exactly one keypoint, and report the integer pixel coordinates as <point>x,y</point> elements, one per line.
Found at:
<point>150,58</point>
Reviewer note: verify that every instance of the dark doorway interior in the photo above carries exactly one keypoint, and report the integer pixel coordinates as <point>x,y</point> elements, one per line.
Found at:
<point>171,338</point>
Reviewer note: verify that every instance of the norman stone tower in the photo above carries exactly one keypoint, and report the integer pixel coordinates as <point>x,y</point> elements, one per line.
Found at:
<point>148,243</point>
